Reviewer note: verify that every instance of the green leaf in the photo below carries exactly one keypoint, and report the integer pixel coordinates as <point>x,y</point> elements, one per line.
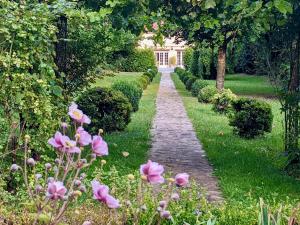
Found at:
<point>57,90</point>
<point>210,4</point>
<point>283,6</point>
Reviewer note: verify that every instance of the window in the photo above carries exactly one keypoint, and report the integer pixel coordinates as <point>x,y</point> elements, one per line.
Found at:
<point>161,58</point>
<point>179,58</point>
<point>157,57</point>
<point>166,58</point>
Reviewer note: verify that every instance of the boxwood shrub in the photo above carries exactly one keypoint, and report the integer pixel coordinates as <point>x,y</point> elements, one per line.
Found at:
<point>197,86</point>
<point>207,93</point>
<point>143,81</point>
<point>251,117</point>
<point>109,109</point>
<point>131,90</point>
<point>189,82</point>
<point>223,100</point>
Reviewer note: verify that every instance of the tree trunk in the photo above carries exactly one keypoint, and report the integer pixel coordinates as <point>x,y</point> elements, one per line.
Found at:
<point>212,66</point>
<point>221,67</point>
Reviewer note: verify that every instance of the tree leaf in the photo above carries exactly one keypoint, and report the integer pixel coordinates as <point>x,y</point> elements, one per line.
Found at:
<point>210,4</point>
<point>283,6</point>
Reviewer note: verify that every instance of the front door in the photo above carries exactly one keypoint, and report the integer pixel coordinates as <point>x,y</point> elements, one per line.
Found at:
<point>162,59</point>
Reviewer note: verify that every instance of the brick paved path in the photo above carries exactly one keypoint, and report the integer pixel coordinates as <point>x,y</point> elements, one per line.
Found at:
<point>174,141</point>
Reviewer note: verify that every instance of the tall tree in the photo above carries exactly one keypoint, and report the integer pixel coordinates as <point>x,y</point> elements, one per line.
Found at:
<point>215,21</point>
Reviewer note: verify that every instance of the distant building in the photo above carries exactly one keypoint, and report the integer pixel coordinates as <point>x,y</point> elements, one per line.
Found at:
<point>170,54</point>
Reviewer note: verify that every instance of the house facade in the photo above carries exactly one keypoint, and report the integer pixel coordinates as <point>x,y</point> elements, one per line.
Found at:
<point>170,54</point>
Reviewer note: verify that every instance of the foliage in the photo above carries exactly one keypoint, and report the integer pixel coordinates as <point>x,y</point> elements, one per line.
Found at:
<point>143,81</point>
<point>196,66</point>
<point>131,90</point>
<point>187,58</point>
<point>92,42</point>
<point>140,60</point>
<point>251,117</point>
<point>222,101</point>
<point>190,81</point>
<point>151,73</point>
<point>197,86</point>
<point>110,109</point>
<point>30,93</point>
<point>207,93</point>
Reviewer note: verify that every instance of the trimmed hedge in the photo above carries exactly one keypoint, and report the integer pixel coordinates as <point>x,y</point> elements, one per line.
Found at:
<point>109,109</point>
<point>207,93</point>
<point>222,101</point>
<point>131,90</point>
<point>140,60</point>
<point>189,82</point>
<point>197,86</point>
<point>251,117</point>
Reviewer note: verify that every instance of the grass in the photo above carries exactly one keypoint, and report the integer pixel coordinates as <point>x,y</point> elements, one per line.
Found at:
<point>246,169</point>
<point>243,84</point>
<point>108,80</point>
<point>135,139</point>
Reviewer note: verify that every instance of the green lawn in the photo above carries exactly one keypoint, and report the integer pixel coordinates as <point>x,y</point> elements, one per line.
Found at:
<point>135,139</point>
<point>108,80</point>
<point>246,169</point>
<point>242,84</point>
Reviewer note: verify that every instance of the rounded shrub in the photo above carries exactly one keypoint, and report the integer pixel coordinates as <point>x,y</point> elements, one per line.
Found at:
<point>190,82</point>
<point>207,93</point>
<point>222,101</point>
<point>150,74</point>
<point>143,81</point>
<point>251,117</point>
<point>131,90</point>
<point>197,86</point>
<point>109,109</point>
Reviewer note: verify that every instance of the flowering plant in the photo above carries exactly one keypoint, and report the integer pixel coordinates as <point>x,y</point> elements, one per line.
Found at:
<point>63,180</point>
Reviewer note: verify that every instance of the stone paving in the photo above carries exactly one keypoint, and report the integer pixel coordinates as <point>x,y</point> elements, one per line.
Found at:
<point>174,141</point>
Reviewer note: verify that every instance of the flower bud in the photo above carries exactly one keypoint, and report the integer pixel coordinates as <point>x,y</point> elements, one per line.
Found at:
<point>101,131</point>
<point>82,188</point>
<point>14,168</point>
<point>50,179</point>
<point>130,177</point>
<point>143,177</point>
<point>31,162</point>
<point>162,204</point>
<point>27,138</point>
<point>87,223</point>
<point>128,203</point>
<point>38,188</point>
<point>48,166</point>
<point>175,196</point>
<point>65,198</point>
<point>103,162</point>
<point>171,180</point>
<point>93,156</point>
<point>83,161</point>
<point>38,176</point>
<point>55,169</point>
<point>82,176</point>
<point>64,125</point>
<point>77,182</point>
<point>77,193</point>
<point>165,214</point>
<point>57,161</point>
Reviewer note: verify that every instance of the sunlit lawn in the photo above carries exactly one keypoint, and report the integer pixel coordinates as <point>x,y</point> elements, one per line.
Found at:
<point>245,168</point>
<point>108,80</point>
<point>248,85</point>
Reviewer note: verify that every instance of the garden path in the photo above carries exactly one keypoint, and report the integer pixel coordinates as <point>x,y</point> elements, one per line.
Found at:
<point>174,141</point>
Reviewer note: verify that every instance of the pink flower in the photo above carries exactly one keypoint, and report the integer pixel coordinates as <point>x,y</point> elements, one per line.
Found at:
<point>99,146</point>
<point>57,141</point>
<point>84,138</point>
<point>153,171</point>
<point>63,143</point>
<point>182,179</point>
<point>56,190</point>
<point>78,115</point>
<point>155,26</point>
<point>101,193</point>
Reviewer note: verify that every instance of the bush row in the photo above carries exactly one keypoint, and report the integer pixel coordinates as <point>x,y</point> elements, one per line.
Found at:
<point>249,117</point>
<point>111,108</point>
